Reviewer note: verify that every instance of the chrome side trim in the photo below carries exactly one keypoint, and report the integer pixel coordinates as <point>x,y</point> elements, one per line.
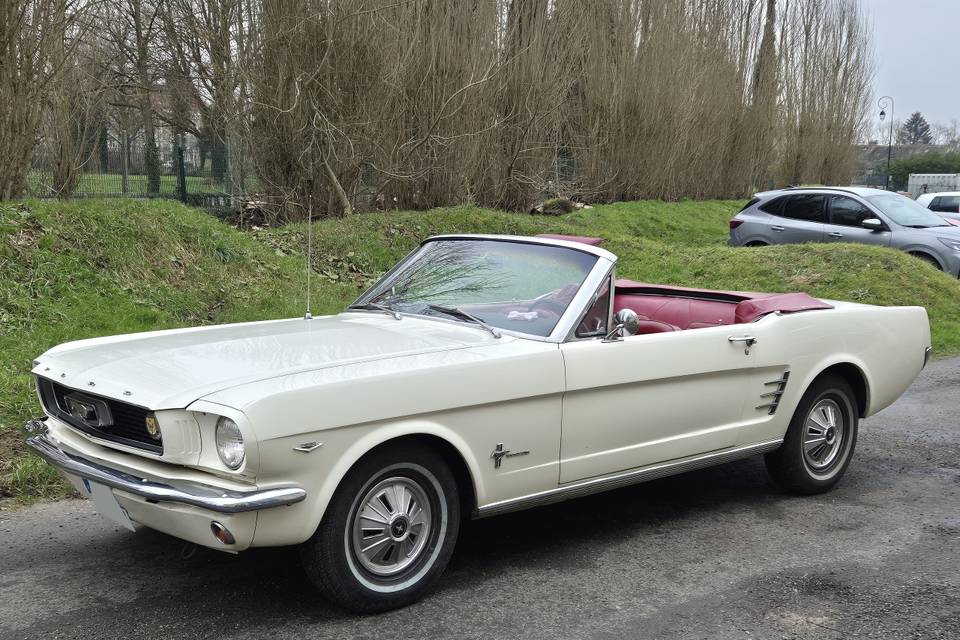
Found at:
<point>200,495</point>
<point>605,483</point>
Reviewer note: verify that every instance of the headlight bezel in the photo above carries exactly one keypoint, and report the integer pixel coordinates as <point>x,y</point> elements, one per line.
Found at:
<point>232,437</point>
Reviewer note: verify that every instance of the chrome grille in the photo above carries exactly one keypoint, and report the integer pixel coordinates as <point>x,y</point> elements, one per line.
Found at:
<point>128,424</point>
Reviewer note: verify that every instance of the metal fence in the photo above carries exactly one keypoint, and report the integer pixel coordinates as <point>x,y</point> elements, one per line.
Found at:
<point>117,166</point>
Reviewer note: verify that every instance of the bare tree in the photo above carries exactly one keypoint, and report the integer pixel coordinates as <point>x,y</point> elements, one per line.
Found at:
<point>73,122</point>
<point>418,103</point>
<point>32,55</point>
<point>132,31</point>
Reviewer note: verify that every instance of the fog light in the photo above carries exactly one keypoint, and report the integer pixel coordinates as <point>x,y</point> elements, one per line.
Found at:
<point>220,533</point>
<point>153,427</point>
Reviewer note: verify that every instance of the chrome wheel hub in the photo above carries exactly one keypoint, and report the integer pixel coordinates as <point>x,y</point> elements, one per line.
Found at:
<point>391,526</point>
<point>824,433</point>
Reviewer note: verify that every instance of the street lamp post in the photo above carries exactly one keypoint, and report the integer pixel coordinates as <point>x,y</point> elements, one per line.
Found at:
<point>883,103</point>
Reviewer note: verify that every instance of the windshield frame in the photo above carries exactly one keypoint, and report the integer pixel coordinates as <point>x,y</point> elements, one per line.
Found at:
<point>568,321</point>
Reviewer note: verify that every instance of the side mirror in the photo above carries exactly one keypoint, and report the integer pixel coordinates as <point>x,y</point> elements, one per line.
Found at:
<point>625,323</point>
<point>873,224</point>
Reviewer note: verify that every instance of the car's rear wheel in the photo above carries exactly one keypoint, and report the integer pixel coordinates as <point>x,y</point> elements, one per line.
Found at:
<point>389,531</point>
<point>820,440</point>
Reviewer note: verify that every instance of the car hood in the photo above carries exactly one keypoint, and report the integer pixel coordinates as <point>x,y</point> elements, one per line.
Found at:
<point>171,369</point>
<point>949,231</point>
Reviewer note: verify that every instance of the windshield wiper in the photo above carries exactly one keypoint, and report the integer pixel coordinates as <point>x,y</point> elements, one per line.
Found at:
<point>925,226</point>
<point>375,306</point>
<point>460,313</point>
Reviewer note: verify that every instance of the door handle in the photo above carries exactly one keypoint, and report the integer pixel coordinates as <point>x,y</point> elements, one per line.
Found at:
<point>835,234</point>
<point>776,227</point>
<point>747,340</point>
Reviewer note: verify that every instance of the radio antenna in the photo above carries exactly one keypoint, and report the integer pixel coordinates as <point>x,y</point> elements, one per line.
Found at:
<point>308,315</point>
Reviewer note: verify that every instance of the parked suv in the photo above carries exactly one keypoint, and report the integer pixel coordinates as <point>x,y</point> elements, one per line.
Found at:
<point>946,204</point>
<point>848,214</point>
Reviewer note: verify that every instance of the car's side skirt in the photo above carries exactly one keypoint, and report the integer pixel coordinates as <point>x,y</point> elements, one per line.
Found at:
<point>625,478</point>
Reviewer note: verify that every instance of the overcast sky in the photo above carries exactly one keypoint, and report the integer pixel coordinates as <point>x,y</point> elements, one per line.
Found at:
<point>917,44</point>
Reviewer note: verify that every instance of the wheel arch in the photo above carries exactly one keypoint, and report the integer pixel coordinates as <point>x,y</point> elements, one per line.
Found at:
<point>466,484</point>
<point>855,376</point>
<point>444,441</point>
<point>926,255</point>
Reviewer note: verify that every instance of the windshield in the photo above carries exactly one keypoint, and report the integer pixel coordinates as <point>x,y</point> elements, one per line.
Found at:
<point>905,211</point>
<point>516,286</point>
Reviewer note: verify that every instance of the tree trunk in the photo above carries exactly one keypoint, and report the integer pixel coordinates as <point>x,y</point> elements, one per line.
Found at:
<point>338,189</point>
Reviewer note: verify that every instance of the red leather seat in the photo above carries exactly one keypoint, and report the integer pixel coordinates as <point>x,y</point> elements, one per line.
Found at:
<point>680,312</point>
<point>654,326</point>
<point>684,308</point>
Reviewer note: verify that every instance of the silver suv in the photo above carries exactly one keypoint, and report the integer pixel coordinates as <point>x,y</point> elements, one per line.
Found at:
<point>847,214</point>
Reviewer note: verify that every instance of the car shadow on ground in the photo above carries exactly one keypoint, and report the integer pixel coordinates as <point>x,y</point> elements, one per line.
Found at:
<point>267,586</point>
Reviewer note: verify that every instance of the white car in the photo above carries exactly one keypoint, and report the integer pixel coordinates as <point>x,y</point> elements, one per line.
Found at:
<point>946,204</point>
<point>482,374</point>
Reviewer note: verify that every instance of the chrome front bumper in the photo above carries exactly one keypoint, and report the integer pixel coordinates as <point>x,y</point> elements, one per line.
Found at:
<point>204,496</point>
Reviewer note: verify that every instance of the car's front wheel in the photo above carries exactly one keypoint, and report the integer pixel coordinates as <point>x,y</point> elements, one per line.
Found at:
<point>820,439</point>
<point>388,532</point>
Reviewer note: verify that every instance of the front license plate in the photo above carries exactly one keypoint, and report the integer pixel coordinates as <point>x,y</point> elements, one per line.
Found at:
<point>107,504</point>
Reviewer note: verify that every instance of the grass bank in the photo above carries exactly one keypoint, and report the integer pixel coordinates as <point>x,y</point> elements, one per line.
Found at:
<point>77,269</point>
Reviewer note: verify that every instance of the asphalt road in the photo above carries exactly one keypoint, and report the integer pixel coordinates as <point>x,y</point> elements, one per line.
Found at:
<point>714,554</point>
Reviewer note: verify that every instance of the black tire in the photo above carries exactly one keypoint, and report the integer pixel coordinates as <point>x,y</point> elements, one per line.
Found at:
<point>800,472</point>
<point>331,557</point>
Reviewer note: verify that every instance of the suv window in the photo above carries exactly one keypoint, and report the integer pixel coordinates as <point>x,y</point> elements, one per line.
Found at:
<point>772,206</point>
<point>947,204</point>
<point>809,207</point>
<point>848,212</point>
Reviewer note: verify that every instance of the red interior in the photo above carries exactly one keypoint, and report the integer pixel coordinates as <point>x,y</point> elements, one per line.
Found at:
<point>664,309</point>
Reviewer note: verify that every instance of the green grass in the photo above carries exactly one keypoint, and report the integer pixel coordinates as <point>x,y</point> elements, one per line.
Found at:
<point>103,184</point>
<point>83,268</point>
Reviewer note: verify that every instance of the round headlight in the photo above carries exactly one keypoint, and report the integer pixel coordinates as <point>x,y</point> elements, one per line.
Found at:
<point>229,443</point>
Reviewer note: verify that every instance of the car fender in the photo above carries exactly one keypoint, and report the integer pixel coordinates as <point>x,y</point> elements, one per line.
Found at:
<point>345,447</point>
<point>926,250</point>
<point>831,360</point>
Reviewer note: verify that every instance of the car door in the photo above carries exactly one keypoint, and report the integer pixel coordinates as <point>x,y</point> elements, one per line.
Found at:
<point>799,218</point>
<point>651,398</point>
<point>846,216</point>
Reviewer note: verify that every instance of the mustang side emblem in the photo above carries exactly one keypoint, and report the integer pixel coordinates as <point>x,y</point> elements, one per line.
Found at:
<point>500,453</point>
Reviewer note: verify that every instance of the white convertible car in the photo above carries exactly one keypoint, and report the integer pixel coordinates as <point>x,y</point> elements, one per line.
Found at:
<point>482,374</point>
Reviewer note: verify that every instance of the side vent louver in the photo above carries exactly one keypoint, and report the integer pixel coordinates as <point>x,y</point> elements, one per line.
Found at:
<point>774,396</point>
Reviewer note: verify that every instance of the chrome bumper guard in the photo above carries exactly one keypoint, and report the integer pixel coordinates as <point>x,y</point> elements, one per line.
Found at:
<point>200,495</point>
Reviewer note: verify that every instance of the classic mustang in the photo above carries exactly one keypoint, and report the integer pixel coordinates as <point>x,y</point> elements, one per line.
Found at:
<point>481,375</point>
